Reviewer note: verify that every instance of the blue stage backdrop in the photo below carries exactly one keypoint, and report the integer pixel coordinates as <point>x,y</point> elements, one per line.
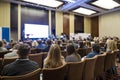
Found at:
<point>5,33</point>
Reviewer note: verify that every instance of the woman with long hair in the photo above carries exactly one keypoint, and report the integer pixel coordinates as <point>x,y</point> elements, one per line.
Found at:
<point>73,56</point>
<point>54,58</point>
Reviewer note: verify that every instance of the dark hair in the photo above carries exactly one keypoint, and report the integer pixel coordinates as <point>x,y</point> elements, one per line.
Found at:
<point>70,49</point>
<point>23,50</point>
<point>1,43</point>
<point>49,42</point>
<point>96,48</point>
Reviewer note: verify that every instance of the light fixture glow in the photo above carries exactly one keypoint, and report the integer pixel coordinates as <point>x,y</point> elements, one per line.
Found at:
<point>84,11</point>
<point>49,3</point>
<point>107,4</point>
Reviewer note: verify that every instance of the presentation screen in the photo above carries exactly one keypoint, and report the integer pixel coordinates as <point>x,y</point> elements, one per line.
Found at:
<point>36,31</point>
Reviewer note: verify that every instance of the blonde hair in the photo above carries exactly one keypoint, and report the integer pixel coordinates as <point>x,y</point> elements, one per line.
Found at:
<point>54,58</point>
<point>111,45</point>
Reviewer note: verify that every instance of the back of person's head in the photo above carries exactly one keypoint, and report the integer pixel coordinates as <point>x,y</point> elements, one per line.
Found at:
<point>111,45</point>
<point>39,41</point>
<point>54,51</point>
<point>1,43</point>
<point>81,44</point>
<point>23,50</point>
<point>54,56</point>
<point>70,48</point>
<point>16,46</point>
<point>49,42</point>
<point>96,47</point>
<point>88,44</point>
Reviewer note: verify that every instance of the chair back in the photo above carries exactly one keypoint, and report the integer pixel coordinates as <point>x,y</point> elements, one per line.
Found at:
<point>76,69</point>
<point>81,52</point>
<point>108,61</point>
<point>99,65</point>
<point>64,54</point>
<point>8,60</point>
<point>54,73</point>
<point>88,50</point>
<point>88,73</point>
<point>35,75</point>
<point>113,60</point>
<point>37,58</point>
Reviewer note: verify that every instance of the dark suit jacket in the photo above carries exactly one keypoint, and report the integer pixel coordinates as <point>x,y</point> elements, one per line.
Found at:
<point>46,49</point>
<point>19,67</point>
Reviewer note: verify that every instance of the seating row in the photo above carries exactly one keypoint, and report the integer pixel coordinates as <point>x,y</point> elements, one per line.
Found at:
<point>87,69</point>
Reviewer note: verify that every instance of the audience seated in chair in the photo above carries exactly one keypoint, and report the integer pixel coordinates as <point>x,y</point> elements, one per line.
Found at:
<point>1,46</point>
<point>73,56</point>
<point>48,42</point>
<point>95,51</point>
<point>111,45</point>
<point>54,58</point>
<point>13,53</point>
<point>40,45</point>
<point>22,65</point>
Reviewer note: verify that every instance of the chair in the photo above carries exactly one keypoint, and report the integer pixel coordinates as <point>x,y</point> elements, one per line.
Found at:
<point>99,66</point>
<point>88,50</point>
<point>107,66</point>
<point>102,44</point>
<point>33,50</point>
<point>118,46</point>
<point>81,51</point>
<point>113,60</point>
<point>75,70</point>
<point>62,47</point>
<point>35,75</point>
<point>37,58</point>
<point>44,55</point>
<point>108,61</point>
<point>8,60</point>
<point>88,73</point>
<point>64,54</point>
<point>54,73</point>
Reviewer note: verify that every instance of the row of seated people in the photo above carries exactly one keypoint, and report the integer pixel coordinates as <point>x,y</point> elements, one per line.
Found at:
<point>54,59</point>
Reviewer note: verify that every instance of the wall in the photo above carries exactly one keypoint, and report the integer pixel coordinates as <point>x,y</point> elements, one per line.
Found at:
<point>109,24</point>
<point>71,23</point>
<point>95,26</point>
<point>4,14</point>
<point>35,16</point>
<point>66,24</point>
<point>87,25</point>
<point>59,23</point>
<point>14,21</point>
<point>79,24</point>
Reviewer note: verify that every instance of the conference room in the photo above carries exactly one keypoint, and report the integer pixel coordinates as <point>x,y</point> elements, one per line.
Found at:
<point>87,30</point>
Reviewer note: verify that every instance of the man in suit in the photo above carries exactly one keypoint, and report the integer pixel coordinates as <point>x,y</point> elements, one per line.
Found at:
<point>22,65</point>
<point>49,42</point>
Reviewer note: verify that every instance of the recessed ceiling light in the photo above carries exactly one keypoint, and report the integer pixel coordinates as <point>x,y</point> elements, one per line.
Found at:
<point>107,4</point>
<point>49,3</point>
<point>84,11</point>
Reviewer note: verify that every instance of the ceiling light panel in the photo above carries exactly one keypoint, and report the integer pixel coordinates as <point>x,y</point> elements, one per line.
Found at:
<point>49,3</point>
<point>107,4</point>
<point>84,11</point>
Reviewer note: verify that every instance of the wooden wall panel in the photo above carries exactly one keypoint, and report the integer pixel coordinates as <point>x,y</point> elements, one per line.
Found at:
<point>66,24</point>
<point>79,24</point>
<point>53,29</point>
<point>95,26</point>
<point>14,21</point>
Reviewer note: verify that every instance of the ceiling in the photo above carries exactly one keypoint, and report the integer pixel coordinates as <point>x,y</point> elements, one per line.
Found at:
<point>70,5</point>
